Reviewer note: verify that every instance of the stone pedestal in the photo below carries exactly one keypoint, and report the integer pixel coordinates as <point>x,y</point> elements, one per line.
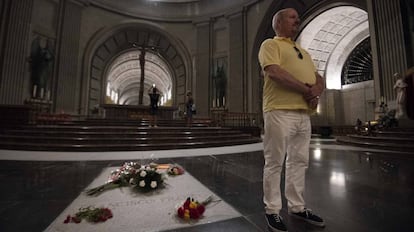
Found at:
<point>39,105</point>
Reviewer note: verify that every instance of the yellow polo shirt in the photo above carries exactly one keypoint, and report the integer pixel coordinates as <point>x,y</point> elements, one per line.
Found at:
<point>280,51</point>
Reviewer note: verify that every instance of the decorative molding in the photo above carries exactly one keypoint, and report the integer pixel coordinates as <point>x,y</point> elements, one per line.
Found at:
<point>177,18</point>
<point>81,2</point>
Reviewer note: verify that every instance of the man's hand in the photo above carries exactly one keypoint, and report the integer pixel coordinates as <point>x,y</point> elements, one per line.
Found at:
<point>315,90</point>
<point>313,103</point>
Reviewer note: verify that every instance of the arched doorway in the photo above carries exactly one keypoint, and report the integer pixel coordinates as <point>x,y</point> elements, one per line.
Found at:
<point>123,78</point>
<point>116,50</point>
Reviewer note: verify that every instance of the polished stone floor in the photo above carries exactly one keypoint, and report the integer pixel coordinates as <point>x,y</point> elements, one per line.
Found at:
<point>354,190</point>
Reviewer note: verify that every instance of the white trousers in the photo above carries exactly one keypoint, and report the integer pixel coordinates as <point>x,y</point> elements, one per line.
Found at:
<point>287,132</point>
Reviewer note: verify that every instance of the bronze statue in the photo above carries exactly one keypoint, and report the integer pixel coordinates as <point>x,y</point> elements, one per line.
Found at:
<point>41,60</point>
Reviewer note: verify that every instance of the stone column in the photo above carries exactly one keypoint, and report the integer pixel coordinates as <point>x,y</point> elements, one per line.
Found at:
<point>14,44</point>
<point>387,41</point>
<point>201,93</point>
<point>67,83</point>
<point>236,90</point>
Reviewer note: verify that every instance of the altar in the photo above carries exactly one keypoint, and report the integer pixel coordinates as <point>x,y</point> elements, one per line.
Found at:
<point>112,111</point>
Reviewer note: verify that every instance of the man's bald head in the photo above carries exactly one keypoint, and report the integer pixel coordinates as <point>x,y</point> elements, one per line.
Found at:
<point>280,19</point>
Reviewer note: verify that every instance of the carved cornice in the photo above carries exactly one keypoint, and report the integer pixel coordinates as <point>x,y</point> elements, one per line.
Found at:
<point>175,12</point>
<point>81,2</point>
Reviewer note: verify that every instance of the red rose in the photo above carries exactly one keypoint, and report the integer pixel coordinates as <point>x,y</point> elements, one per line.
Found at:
<point>187,203</point>
<point>180,212</point>
<point>194,214</point>
<point>67,220</point>
<point>201,208</point>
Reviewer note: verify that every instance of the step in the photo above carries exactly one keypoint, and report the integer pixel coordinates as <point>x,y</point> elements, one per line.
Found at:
<point>122,147</point>
<point>104,135</point>
<point>117,133</point>
<point>120,140</point>
<point>383,139</point>
<point>377,144</point>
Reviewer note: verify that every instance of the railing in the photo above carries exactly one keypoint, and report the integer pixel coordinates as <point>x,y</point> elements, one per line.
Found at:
<point>124,112</point>
<point>233,119</point>
<point>248,122</point>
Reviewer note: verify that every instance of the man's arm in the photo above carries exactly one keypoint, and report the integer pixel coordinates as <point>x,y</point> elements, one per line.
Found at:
<point>282,77</point>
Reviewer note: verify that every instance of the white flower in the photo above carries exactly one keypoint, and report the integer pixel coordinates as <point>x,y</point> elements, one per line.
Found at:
<point>148,168</point>
<point>153,184</point>
<point>142,183</point>
<point>143,173</point>
<point>132,181</point>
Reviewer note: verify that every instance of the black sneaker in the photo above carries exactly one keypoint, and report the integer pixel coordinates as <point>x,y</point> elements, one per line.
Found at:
<point>309,217</point>
<point>275,223</point>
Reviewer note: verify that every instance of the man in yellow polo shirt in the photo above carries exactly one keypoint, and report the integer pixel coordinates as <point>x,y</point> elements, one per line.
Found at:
<point>290,94</point>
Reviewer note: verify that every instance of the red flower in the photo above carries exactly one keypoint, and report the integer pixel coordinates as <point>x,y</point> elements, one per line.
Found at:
<point>192,209</point>
<point>76,219</point>
<point>90,214</point>
<point>180,212</point>
<point>194,214</point>
<point>201,208</point>
<point>67,220</point>
<point>187,203</point>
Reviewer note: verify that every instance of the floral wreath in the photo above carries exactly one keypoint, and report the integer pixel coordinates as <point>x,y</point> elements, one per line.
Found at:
<point>141,177</point>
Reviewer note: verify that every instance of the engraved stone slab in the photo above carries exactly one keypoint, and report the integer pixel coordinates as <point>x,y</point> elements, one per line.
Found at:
<point>154,211</point>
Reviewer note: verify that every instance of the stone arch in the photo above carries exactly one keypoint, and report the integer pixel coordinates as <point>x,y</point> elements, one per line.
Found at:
<point>109,44</point>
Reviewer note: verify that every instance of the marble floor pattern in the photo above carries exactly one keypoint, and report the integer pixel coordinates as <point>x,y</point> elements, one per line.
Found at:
<point>354,189</point>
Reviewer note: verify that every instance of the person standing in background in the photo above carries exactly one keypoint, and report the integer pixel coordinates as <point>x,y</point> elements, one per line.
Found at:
<point>290,94</point>
<point>189,108</point>
<point>154,98</point>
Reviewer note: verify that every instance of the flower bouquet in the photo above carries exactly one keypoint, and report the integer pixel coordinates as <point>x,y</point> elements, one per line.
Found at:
<point>146,178</point>
<point>175,170</point>
<point>90,214</point>
<point>142,177</point>
<point>192,209</point>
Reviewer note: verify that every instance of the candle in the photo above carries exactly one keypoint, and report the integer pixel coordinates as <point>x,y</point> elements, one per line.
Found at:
<point>34,91</point>
<point>41,93</point>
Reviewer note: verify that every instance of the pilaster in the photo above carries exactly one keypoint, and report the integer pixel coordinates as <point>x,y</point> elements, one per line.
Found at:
<point>387,41</point>
<point>201,92</point>
<point>67,83</point>
<point>14,41</point>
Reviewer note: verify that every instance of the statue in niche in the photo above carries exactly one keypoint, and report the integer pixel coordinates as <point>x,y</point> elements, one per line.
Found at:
<point>220,84</point>
<point>409,93</point>
<point>400,86</point>
<point>41,60</point>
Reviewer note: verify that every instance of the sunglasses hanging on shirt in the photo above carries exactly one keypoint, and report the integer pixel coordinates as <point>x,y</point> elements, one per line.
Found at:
<point>300,56</point>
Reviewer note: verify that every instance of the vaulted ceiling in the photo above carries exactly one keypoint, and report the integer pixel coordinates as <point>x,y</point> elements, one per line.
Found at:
<point>331,36</point>
<point>172,10</point>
